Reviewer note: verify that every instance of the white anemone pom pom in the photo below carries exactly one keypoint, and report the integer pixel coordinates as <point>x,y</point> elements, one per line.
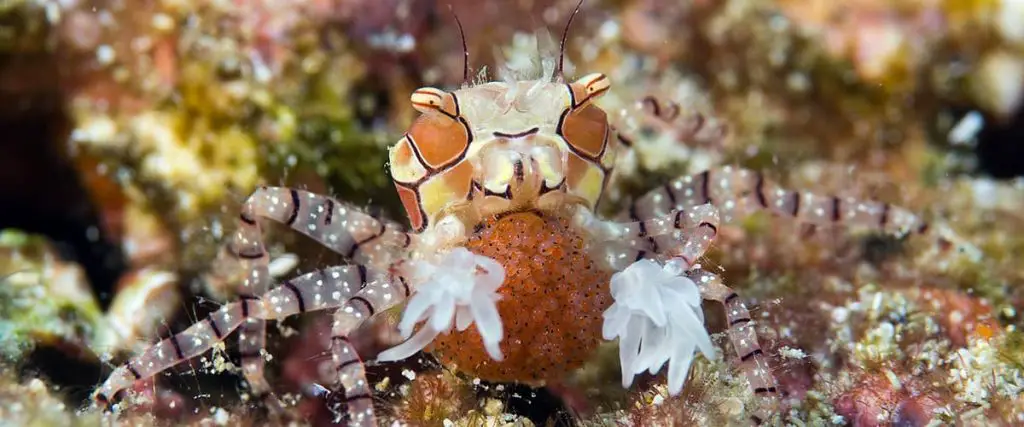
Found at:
<point>462,286</point>
<point>657,317</point>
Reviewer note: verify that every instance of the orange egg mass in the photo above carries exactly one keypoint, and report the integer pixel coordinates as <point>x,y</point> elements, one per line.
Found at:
<point>551,301</point>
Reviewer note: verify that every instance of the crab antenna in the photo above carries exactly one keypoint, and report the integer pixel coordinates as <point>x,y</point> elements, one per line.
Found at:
<point>561,47</point>
<point>465,50</point>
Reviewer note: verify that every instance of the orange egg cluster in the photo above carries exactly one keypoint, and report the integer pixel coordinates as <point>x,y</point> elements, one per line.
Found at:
<point>552,300</point>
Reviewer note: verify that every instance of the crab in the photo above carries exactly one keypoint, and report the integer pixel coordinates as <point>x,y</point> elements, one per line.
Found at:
<point>500,181</point>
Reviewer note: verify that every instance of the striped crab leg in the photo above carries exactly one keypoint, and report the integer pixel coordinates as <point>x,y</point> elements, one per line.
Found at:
<point>737,192</point>
<point>318,290</point>
<point>666,116</point>
<point>683,233</point>
<point>351,370</point>
<point>338,226</point>
<point>743,336</point>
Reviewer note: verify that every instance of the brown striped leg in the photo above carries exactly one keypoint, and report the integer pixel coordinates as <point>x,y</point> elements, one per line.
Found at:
<point>652,114</point>
<point>246,247</point>
<point>684,233</point>
<point>744,340</point>
<point>251,342</point>
<point>338,226</point>
<point>245,252</point>
<point>738,192</point>
<point>335,225</point>
<point>318,290</point>
<point>690,128</point>
<point>375,298</point>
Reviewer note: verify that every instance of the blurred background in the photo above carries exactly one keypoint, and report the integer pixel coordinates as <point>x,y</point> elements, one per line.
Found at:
<point>131,131</point>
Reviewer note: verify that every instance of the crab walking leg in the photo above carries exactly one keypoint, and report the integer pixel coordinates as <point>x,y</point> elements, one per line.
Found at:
<point>667,116</point>
<point>247,249</point>
<point>251,342</point>
<point>376,297</point>
<point>744,340</point>
<point>691,128</point>
<point>317,290</point>
<point>684,233</point>
<point>738,192</point>
<point>338,226</point>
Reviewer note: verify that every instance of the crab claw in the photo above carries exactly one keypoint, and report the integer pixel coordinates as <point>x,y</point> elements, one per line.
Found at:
<point>462,287</point>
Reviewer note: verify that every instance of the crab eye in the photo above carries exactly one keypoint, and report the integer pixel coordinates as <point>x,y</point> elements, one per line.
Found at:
<point>440,136</point>
<point>428,100</point>
<point>588,88</point>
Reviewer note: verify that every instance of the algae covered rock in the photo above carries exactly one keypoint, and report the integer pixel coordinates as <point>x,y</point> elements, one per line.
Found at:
<point>43,300</point>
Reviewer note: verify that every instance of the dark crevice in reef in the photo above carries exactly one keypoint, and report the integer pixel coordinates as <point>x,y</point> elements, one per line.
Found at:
<point>876,249</point>
<point>1000,148</point>
<point>371,98</point>
<point>40,191</point>
<point>540,405</point>
<point>76,375</point>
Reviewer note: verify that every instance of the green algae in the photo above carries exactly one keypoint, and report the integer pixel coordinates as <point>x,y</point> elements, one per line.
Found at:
<point>42,299</point>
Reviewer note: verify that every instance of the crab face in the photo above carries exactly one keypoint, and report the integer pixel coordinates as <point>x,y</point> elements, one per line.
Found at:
<point>500,146</point>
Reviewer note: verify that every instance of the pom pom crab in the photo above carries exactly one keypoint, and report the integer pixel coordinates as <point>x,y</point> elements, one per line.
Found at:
<point>500,182</point>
